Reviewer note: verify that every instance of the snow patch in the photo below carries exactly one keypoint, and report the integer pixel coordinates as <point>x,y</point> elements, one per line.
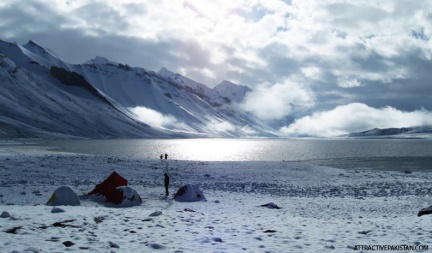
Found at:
<point>219,126</point>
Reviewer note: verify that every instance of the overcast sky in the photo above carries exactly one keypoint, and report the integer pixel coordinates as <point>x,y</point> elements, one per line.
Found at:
<point>334,62</point>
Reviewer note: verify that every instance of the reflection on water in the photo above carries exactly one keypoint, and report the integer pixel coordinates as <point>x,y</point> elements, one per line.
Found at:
<point>342,153</point>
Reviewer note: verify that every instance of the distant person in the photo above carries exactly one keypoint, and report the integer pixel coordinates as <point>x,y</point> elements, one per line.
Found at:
<point>161,156</point>
<point>166,156</point>
<point>166,181</point>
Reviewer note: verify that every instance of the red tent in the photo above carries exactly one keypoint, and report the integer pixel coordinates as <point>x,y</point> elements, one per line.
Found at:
<point>108,186</point>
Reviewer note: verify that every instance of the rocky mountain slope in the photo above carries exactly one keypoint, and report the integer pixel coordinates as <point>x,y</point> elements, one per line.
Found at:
<point>44,97</point>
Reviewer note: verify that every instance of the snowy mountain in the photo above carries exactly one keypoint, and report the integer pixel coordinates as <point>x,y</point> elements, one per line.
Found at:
<point>36,104</point>
<point>233,92</point>
<point>209,95</point>
<point>405,132</point>
<point>42,96</point>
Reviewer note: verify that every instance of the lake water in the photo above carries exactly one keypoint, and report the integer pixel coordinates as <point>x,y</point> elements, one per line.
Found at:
<point>390,154</point>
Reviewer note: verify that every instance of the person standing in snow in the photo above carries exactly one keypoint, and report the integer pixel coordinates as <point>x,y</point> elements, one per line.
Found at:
<point>166,156</point>
<point>166,181</point>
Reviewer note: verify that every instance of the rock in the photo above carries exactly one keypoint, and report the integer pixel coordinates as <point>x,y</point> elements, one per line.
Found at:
<point>424,211</point>
<point>271,205</point>
<point>217,239</point>
<point>114,245</point>
<point>57,210</point>
<point>156,213</point>
<point>5,214</point>
<point>68,243</point>
<point>365,232</point>
<point>156,246</point>
<point>13,230</point>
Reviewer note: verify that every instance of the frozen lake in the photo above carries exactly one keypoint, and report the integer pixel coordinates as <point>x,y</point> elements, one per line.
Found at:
<point>387,154</point>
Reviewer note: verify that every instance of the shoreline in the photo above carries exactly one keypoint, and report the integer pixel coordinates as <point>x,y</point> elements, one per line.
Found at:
<point>407,164</point>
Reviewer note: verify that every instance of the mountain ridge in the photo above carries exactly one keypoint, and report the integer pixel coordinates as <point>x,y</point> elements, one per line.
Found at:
<point>113,100</point>
<point>403,132</point>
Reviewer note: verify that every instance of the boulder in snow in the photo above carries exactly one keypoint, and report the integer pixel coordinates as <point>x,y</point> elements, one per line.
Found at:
<point>5,214</point>
<point>57,210</point>
<point>155,213</point>
<point>424,211</point>
<point>271,205</point>
<point>189,193</point>
<point>64,196</point>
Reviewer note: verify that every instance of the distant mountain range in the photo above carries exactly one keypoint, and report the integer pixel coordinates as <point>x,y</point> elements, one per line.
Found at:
<point>41,96</point>
<point>405,132</point>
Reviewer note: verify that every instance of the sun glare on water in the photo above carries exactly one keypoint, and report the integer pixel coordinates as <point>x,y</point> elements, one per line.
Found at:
<point>214,149</point>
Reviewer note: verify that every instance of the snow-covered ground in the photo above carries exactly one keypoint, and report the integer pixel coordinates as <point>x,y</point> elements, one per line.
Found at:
<point>322,209</point>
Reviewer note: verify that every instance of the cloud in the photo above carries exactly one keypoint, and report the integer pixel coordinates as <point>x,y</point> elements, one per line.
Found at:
<point>270,102</point>
<point>375,52</point>
<point>157,119</point>
<point>355,117</point>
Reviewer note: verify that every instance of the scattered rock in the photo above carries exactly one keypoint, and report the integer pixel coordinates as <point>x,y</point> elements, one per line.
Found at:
<point>53,239</point>
<point>61,224</point>
<point>68,243</point>
<point>156,213</point>
<point>5,214</point>
<point>57,210</point>
<point>271,205</point>
<point>424,211</point>
<point>270,231</point>
<point>114,245</point>
<point>365,232</point>
<point>156,246</point>
<point>217,239</point>
<point>13,230</point>
<point>37,193</point>
<point>99,219</point>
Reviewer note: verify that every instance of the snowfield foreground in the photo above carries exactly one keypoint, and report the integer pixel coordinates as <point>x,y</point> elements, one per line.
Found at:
<point>322,209</point>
